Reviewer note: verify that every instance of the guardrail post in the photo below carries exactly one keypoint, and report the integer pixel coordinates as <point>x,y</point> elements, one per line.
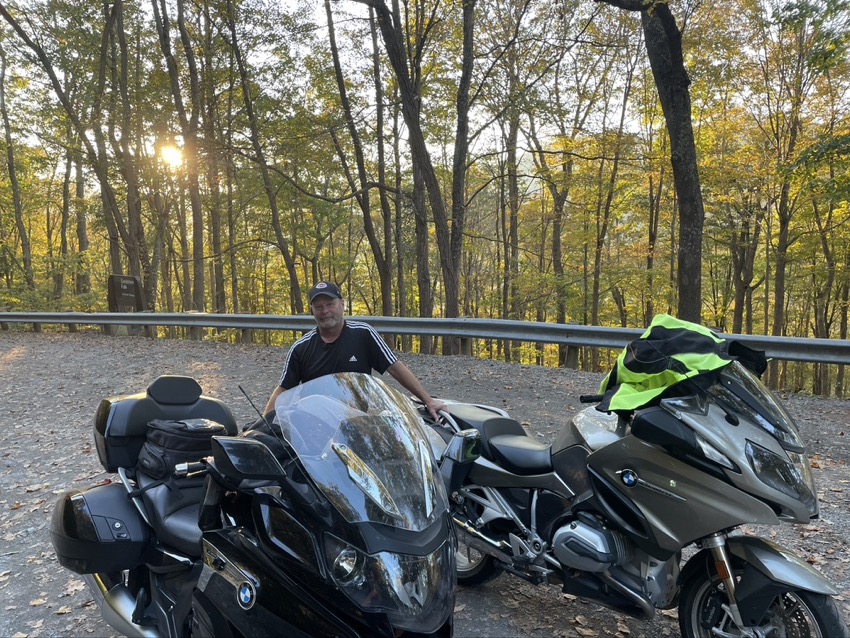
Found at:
<point>571,360</point>
<point>466,346</point>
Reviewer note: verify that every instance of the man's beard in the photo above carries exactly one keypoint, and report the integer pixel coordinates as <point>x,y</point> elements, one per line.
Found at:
<point>330,322</point>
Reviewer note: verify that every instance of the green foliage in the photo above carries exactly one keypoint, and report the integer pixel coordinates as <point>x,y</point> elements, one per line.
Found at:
<point>769,81</point>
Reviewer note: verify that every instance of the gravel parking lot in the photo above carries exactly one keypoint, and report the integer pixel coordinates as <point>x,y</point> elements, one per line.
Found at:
<point>53,382</point>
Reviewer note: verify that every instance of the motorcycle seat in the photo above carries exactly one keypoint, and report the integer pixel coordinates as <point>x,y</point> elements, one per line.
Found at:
<point>521,454</point>
<point>174,512</point>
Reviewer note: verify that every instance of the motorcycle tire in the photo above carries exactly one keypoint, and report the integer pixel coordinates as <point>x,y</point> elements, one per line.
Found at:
<point>474,567</point>
<point>793,613</point>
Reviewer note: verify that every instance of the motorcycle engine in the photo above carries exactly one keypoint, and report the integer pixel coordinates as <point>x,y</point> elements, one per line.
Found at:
<point>588,546</point>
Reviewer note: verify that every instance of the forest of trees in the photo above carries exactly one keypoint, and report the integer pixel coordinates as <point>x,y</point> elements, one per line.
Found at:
<point>440,158</point>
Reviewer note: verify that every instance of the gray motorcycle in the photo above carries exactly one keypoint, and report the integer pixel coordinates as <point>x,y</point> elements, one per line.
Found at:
<point>643,511</point>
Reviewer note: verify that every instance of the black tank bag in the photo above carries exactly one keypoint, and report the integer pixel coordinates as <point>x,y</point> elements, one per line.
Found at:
<point>168,443</point>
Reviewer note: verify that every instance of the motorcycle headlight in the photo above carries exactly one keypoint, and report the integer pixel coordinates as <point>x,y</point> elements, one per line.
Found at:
<point>415,592</point>
<point>790,474</point>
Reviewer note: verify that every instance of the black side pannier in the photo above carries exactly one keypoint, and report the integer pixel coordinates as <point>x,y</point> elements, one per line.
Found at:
<point>168,443</point>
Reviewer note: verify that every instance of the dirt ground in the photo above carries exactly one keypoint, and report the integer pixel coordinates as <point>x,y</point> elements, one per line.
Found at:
<point>51,384</point>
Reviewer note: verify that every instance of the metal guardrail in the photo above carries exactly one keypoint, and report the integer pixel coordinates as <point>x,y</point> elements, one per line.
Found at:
<point>833,351</point>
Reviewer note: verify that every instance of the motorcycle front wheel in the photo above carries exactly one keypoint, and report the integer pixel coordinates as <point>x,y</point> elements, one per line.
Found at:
<point>793,613</point>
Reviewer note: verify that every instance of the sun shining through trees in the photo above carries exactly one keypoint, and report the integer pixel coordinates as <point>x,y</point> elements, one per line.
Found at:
<point>171,155</point>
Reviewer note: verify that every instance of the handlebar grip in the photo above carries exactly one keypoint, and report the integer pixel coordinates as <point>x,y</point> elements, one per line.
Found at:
<point>194,468</point>
<point>590,398</point>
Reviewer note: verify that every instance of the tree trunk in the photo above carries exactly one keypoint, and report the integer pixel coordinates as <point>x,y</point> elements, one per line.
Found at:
<point>385,265</point>
<point>401,284</point>
<point>271,192</point>
<point>449,240</point>
<point>82,281</point>
<point>62,264</point>
<point>359,184</point>
<point>23,235</point>
<point>211,148</point>
<point>823,288</point>
<point>188,123</point>
<point>655,192</point>
<point>744,247</point>
<point>664,50</point>
<point>129,164</point>
<point>511,303</point>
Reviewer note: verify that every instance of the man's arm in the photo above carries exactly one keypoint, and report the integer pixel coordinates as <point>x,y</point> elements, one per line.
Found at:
<point>406,378</point>
<point>275,395</point>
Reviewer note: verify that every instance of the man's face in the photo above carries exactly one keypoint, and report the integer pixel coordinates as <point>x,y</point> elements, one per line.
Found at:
<point>327,311</point>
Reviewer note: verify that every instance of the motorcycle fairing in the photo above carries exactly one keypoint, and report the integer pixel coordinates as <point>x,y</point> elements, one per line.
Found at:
<point>647,480</point>
<point>283,606</point>
<point>391,557</point>
<point>361,474</point>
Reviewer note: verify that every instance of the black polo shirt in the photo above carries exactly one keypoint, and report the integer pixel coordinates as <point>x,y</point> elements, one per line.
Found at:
<point>359,348</point>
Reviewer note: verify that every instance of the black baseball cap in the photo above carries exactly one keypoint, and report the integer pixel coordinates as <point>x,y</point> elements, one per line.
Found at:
<point>324,288</point>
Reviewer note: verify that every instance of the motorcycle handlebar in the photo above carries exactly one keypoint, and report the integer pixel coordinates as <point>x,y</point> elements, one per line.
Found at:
<point>590,398</point>
<point>191,469</point>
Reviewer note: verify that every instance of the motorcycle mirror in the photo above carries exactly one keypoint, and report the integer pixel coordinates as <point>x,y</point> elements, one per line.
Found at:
<point>241,458</point>
<point>464,446</point>
<point>463,449</point>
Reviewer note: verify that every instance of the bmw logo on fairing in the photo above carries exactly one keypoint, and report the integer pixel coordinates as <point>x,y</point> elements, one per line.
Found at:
<point>246,595</point>
<point>629,478</point>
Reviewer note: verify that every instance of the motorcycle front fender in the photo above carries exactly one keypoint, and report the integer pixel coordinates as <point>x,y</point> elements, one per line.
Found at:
<point>780,565</point>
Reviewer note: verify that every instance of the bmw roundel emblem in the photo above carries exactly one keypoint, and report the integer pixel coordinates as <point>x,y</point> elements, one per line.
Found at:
<point>246,595</point>
<point>629,478</point>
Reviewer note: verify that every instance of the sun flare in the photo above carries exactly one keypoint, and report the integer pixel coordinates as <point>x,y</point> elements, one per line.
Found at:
<point>171,155</point>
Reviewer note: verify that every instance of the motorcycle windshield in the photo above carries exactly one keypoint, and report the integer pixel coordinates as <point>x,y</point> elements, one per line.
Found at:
<point>363,446</point>
<point>740,390</point>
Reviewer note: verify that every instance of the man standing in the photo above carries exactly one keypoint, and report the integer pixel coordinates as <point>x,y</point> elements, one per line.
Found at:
<point>337,345</point>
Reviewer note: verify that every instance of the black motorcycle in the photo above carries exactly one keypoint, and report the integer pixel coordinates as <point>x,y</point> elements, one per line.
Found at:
<point>329,519</point>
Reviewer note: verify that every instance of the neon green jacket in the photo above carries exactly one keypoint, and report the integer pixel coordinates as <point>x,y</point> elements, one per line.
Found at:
<point>669,352</point>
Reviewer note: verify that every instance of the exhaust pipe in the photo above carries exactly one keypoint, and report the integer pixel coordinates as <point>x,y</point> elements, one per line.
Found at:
<point>475,539</point>
<point>116,606</point>
<point>645,606</point>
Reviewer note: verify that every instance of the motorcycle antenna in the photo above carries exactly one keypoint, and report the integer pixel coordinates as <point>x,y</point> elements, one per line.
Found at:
<point>276,434</point>
<point>256,409</point>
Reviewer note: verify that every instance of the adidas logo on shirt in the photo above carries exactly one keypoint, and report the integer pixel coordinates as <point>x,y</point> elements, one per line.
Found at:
<point>353,358</point>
